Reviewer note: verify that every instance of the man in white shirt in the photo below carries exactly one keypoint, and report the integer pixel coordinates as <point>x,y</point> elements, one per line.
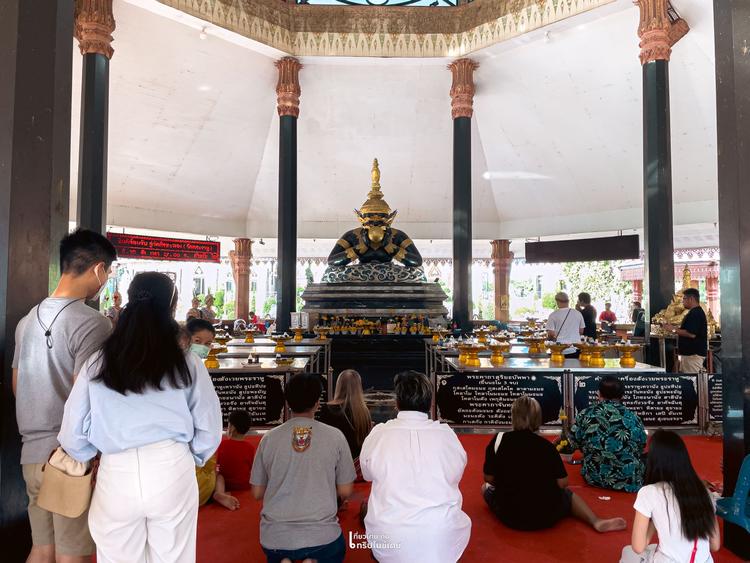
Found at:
<point>415,464</point>
<point>565,325</point>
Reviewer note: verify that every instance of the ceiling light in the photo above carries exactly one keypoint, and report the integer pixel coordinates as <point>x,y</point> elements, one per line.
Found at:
<point>203,33</point>
<point>547,37</point>
<point>204,87</point>
<point>514,175</point>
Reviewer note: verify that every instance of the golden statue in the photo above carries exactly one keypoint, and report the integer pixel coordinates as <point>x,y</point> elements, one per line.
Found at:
<point>375,240</point>
<point>676,312</point>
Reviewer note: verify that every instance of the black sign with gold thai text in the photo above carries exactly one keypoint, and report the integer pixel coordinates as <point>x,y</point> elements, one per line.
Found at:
<point>715,398</point>
<point>478,399</point>
<point>260,395</point>
<point>658,399</point>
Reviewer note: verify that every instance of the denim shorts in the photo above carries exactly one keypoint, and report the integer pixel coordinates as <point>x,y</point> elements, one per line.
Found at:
<point>329,553</point>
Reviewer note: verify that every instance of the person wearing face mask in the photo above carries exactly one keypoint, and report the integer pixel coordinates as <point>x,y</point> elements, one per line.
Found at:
<point>52,343</point>
<point>202,335</point>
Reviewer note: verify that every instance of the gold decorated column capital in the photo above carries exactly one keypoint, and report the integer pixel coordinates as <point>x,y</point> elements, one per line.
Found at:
<point>242,254</point>
<point>94,24</point>
<point>462,89</point>
<point>659,29</point>
<point>240,259</point>
<point>287,88</point>
<point>502,261</point>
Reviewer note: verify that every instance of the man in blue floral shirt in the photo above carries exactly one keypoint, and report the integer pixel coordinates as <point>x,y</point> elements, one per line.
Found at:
<point>612,439</point>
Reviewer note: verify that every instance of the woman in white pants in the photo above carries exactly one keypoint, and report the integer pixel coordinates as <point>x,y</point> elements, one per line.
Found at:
<point>152,412</point>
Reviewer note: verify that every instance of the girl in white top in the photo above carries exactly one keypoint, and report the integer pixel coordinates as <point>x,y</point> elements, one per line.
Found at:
<point>675,504</point>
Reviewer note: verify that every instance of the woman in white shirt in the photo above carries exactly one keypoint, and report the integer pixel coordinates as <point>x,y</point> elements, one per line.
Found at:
<point>675,504</point>
<point>415,464</point>
<point>151,410</point>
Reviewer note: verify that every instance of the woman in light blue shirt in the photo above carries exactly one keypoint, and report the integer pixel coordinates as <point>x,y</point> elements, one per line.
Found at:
<point>151,410</point>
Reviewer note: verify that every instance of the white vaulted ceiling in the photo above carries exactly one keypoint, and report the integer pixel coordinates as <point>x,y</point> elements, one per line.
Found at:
<point>557,134</point>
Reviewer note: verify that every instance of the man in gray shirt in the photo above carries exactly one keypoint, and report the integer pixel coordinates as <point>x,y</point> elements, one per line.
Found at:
<point>52,343</point>
<point>299,470</point>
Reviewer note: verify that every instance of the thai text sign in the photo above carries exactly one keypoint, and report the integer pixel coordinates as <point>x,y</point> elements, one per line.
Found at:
<point>160,248</point>
<point>658,399</point>
<point>478,399</point>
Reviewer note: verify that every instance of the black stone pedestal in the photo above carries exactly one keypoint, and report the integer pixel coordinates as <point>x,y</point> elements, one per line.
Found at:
<point>377,358</point>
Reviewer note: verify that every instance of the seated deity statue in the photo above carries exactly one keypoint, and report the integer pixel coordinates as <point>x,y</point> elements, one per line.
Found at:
<point>675,312</point>
<point>376,240</point>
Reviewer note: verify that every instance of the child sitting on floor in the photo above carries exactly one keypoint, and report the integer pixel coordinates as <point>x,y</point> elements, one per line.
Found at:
<point>202,334</point>
<point>234,461</point>
<point>197,336</point>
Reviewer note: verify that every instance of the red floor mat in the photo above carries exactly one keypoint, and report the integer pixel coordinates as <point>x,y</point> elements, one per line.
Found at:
<point>225,536</point>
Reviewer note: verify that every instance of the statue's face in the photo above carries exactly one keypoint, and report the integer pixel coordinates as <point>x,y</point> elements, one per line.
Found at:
<point>376,227</point>
<point>376,233</point>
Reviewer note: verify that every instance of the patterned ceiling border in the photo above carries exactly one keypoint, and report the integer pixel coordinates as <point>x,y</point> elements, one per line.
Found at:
<point>374,31</point>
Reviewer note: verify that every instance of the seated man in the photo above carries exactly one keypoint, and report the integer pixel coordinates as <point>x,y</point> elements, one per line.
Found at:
<point>202,334</point>
<point>235,460</point>
<point>608,318</point>
<point>612,439</point>
<point>299,469</point>
<point>415,465</point>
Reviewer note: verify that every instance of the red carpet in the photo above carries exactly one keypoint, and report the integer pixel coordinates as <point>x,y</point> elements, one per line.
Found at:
<point>225,536</point>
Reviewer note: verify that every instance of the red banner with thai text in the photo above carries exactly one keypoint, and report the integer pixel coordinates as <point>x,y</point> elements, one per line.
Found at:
<point>160,248</point>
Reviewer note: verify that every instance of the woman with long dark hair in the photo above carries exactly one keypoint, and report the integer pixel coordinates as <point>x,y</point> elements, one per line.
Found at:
<point>349,413</point>
<point>151,410</point>
<point>675,504</point>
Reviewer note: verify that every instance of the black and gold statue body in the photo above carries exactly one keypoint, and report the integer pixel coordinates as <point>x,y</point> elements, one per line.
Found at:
<point>356,245</point>
<point>375,240</point>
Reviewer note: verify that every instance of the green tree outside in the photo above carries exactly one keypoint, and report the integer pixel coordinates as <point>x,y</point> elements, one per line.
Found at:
<point>599,279</point>
<point>548,301</point>
<point>270,302</point>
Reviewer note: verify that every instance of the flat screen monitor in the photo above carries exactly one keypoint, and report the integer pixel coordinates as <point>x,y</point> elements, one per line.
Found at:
<point>624,247</point>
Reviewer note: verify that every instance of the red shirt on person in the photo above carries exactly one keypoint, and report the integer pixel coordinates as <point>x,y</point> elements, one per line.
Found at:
<point>608,316</point>
<point>234,462</point>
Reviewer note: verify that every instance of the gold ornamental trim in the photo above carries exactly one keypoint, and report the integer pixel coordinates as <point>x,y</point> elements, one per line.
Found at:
<point>382,31</point>
<point>94,24</point>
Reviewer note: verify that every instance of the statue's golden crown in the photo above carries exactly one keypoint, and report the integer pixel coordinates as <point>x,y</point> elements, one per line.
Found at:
<point>375,204</point>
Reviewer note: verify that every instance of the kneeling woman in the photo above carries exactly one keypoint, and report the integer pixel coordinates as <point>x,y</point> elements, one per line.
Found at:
<point>349,413</point>
<point>526,482</point>
<point>151,410</point>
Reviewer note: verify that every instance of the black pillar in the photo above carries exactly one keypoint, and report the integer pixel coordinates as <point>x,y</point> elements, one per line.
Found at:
<point>35,90</point>
<point>286,300</point>
<point>462,308</point>
<point>92,158</point>
<point>731,29</point>
<point>657,194</point>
